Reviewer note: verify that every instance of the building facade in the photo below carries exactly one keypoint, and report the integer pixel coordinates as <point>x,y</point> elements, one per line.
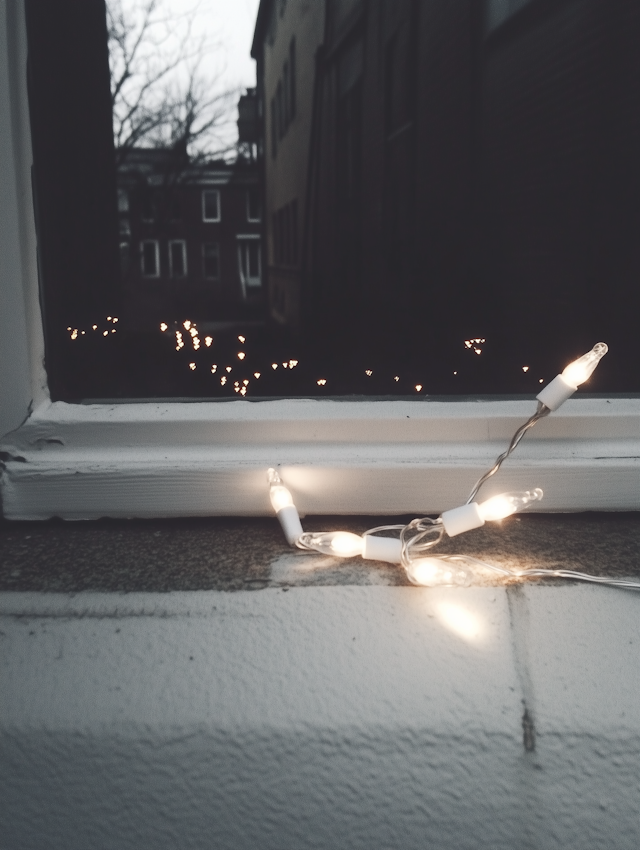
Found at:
<point>189,238</point>
<point>468,170</point>
<point>287,38</point>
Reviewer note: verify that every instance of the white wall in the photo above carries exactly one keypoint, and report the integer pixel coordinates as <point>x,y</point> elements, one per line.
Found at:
<point>22,379</point>
<point>325,717</point>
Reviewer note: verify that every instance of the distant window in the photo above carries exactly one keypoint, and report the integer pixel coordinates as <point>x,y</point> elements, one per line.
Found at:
<point>125,254</point>
<point>279,110</point>
<point>211,260</point>
<point>285,235</point>
<point>124,227</point>
<point>292,79</point>
<point>253,205</point>
<point>150,258</point>
<point>286,117</point>
<point>178,258</point>
<point>148,206</point>
<point>123,201</point>
<point>249,261</point>
<point>274,128</point>
<point>211,205</point>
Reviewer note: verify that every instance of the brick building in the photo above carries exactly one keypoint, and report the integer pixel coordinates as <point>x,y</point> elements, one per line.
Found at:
<point>189,238</point>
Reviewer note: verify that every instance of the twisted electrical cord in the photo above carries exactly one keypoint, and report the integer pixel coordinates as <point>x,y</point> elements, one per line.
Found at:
<point>540,413</point>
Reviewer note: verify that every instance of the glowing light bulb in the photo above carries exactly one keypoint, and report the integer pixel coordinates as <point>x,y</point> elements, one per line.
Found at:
<point>341,544</point>
<point>506,504</point>
<point>432,572</point>
<point>282,503</point>
<point>580,370</point>
<point>563,386</point>
<point>467,517</point>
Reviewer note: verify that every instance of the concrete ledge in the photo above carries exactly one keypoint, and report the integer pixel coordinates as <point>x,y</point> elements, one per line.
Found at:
<point>321,717</point>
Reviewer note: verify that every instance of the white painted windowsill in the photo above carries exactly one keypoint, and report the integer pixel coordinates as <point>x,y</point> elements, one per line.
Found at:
<point>376,457</point>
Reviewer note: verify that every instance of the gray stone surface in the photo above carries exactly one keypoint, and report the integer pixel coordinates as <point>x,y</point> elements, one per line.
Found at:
<point>222,553</point>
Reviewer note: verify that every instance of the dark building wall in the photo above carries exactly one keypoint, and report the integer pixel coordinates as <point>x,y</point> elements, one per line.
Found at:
<point>560,179</point>
<point>470,180</point>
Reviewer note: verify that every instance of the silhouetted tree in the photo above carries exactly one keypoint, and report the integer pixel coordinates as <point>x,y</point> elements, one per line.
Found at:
<point>161,96</point>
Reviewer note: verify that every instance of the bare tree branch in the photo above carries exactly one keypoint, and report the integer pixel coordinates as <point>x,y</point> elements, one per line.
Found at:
<point>160,95</point>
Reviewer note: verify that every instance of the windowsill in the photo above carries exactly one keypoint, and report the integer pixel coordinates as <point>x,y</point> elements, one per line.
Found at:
<point>250,554</point>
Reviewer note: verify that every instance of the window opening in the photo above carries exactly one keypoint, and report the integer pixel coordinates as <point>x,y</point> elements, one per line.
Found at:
<point>431,252</point>
<point>178,258</point>
<point>211,260</point>
<point>150,258</point>
<point>211,205</point>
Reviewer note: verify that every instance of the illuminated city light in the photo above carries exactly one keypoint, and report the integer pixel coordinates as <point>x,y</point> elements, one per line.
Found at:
<point>321,382</point>
<point>74,334</point>
<point>541,380</point>
<point>70,328</point>
<point>196,343</point>
<point>274,365</point>
<point>163,326</point>
<point>93,328</point>
<point>241,339</point>
<point>285,365</point>
<point>104,333</point>
<point>115,319</point>
<point>228,368</point>
<point>223,380</point>
<point>245,382</point>
<point>83,333</point>
<point>208,340</point>
<point>396,378</point>
<point>108,318</point>
<point>418,387</point>
<point>525,368</point>
<point>192,366</point>
<point>256,374</point>
<point>193,331</point>
<point>243,391</point>
<point>214,368</point>
<point>113,330</point>
<point>241,355</point>
<point>292,363</point>
<point>368,372</point>
<point>186,325</point>
<point>455,373</point>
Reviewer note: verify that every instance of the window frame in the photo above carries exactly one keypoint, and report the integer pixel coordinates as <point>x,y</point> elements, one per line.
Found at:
<point>204,249</point>
<point>208,458</point>
<point>156,243</point>
<point>185,267</point>
<point>204,206</point>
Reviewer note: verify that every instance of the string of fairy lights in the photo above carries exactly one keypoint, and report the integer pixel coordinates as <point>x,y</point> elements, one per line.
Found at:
<point>411,544</point>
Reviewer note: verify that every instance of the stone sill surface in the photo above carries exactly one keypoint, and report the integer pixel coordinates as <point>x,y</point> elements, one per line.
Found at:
<point>220,553</point>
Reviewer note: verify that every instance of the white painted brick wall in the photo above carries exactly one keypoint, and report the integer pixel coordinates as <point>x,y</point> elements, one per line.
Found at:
<point>322,717</point>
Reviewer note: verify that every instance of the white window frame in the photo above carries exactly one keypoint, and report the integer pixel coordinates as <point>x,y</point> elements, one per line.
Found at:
<point>204,206</point>
<point>156,244</point>
<point>183,243</point>
<point>205,458</point>
<point>204,248</point>
<point>248,283</point>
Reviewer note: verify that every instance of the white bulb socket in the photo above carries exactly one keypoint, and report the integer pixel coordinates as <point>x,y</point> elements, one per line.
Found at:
<point>387,549</point>
<point>290,523</point>
<point>465,518</point>
<point>556,393</point>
